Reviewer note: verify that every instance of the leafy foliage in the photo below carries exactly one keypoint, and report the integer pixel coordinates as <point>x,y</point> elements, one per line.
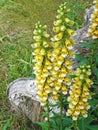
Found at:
<point>15,57</point>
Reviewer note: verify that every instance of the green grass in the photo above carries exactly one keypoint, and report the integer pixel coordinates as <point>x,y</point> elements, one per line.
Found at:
<point>17,20</point>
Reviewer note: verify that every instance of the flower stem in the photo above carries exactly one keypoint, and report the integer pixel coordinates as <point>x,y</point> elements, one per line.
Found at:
<point>48,110</point>
<point>61,109</point>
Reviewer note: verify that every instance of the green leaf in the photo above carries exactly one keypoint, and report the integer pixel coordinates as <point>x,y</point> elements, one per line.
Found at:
<point>6,125</point>
<point>95,71</point>
<point>86,44</point>
<point>97,60</point>
<point>67,129</point>
<point>84,123</point>
<point>83,62</point>
<point>44,125</point>
<point>93,127</point>
<point>32,76</point>
<point>53,124</point>
<point>66,123</point>
<point>79,57</point>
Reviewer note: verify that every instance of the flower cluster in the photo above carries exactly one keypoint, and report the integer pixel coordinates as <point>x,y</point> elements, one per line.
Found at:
<point>62,52</point>
<point>42,63</point>
<point>79,93</point>
<point>52,60</point>
<point>93,29</point>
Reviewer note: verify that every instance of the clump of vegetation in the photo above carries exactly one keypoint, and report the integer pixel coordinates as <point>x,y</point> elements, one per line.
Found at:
<point>57,81</point>
<point>17,22</point>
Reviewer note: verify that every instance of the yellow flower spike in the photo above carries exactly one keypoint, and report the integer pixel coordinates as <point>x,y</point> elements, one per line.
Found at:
<point>70,32</point>
<point>93,30</point>
<point>42,51</point>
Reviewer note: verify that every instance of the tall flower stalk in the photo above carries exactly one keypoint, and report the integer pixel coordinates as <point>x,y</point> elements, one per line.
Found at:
<point>93,29</point>
<point>42,61</point>
<point>79,93</point>
<point>53,66</point>
<point>61,56</point>
<point>62,52</point>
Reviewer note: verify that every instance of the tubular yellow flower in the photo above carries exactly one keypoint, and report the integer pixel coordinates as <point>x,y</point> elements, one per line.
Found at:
<point>70,32</point>
<point>56,29</point>
<point>58,36</point>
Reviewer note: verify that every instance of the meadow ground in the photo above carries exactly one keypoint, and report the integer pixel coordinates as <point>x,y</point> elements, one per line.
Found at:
<point>17,20</point>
